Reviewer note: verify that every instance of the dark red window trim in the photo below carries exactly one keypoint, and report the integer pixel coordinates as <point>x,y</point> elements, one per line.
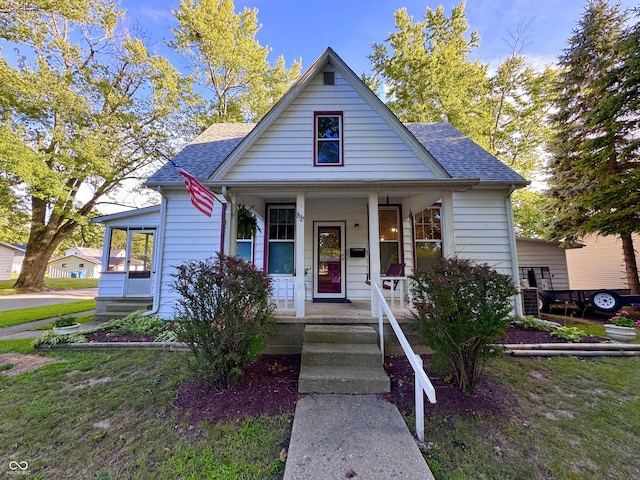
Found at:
<point>315,139</point>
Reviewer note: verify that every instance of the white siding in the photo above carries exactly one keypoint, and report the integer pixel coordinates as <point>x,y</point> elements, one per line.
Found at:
<point>599,264</point>
<point>111,284</point>
<point>372,150</point>
<point>189,235</point>
<point>482,228</point>
<point>6,262</point>
<point>532,253</point>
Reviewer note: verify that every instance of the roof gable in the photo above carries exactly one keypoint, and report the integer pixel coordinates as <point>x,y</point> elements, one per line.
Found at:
<point>442,152</point>
<point>328,59</point>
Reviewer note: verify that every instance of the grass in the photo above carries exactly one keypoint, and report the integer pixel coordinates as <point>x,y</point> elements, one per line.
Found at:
<point>575,419</point>
<point>109,416</point>
<point>22,345</point>
<point>26,315</point>
<point>79,319</point>
<point>6,286</point>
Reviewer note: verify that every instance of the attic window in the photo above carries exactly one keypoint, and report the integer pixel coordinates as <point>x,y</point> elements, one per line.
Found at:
<point>329,78</point>
<point>328,139</point>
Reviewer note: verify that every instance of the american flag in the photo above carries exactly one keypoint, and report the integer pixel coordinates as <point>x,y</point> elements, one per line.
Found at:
<point>201,197</point>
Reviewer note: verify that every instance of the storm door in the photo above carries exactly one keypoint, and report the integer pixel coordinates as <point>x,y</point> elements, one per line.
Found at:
<point>329,260</point>
<point>139,262</point>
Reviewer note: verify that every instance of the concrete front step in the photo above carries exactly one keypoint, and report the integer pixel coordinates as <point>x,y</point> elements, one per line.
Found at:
<point>343,380</point>
<point>340,334</point>
<point>336,354</point>
<point>341,359</point>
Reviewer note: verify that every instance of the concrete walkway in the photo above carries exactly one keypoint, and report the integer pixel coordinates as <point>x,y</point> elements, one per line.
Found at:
<point>352,436</point>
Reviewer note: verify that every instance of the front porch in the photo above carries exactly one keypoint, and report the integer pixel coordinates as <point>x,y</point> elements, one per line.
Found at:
<point>288,334</point>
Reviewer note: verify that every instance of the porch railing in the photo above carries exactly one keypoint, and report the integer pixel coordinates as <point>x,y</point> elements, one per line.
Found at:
<point>284,293</point>
<point>422,382</point>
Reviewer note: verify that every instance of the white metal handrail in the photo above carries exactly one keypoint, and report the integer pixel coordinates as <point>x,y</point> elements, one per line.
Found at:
<point>422,382</point>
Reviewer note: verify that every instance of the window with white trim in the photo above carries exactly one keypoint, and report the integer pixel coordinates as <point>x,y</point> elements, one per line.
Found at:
<point>281,240</point>
<point>328,138</point>
<point>389,226</point>
<point>428,236</point>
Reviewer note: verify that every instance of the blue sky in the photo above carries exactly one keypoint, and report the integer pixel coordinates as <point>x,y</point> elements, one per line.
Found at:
<point>303,29</point>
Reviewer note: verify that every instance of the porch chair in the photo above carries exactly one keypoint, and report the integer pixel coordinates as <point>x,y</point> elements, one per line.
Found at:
<point>394,270</point>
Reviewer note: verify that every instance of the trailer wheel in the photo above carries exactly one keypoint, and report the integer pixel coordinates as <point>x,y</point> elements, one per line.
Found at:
<point>606,301</point>
<point>543,303</point>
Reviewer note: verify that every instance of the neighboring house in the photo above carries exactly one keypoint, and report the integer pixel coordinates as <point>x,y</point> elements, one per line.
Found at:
<point>75,266</point>
<point>342,190</point>
<point>83,262</point>
<point>7,253</point>
<point>542,264</point>
<point>600,264</point>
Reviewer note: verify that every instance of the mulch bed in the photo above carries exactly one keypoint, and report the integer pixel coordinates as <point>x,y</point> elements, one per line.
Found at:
<point>269,386</point>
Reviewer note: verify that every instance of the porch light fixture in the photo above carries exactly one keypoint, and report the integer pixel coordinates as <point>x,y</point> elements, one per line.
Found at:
<point>356,226</point>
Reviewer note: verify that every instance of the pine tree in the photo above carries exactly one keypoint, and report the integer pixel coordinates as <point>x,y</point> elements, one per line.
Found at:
<point>594,169</point>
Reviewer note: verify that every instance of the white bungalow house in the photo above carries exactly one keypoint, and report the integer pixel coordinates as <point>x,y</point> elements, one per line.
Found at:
<point>7,254</point>
<point>343,192</point>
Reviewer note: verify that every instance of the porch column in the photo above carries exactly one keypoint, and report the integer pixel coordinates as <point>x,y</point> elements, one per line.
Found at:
<point>299,254</point>
<point>374,248</point>
<point>232,222</point>
<point>448,226</point>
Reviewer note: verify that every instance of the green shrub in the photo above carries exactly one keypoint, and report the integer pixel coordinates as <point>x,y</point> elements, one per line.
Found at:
<point>460,308</point>
<point>50,338</point>
<point>136,322</point>
<point>530,322</point>
<point>222,314</point>
<point>573,334</point>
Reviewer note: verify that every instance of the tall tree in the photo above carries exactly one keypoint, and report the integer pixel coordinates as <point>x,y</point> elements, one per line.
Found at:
<point>521,101</point>
<point>430,78</point>
<point>228,62</point>
<point>82,109</point>
<point>595,175</point>
<point>426,68</point>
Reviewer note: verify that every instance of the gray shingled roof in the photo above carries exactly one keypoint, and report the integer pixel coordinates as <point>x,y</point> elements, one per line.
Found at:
<point>202,156</point>
<point>459,155</point>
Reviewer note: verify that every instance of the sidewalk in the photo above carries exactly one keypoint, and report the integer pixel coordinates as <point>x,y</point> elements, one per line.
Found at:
<point>352,436</point>
<point>24,330</point>
<point>54,297</point>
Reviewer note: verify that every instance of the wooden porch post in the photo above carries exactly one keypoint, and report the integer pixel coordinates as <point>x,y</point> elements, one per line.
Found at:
<point>448,228</point>
<point>233,225</point>
<point>299,255</point>
<point>374,248</point>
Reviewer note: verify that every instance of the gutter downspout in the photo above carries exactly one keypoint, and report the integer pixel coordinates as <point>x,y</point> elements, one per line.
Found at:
<point>159,255</point>
<point>512,248</point>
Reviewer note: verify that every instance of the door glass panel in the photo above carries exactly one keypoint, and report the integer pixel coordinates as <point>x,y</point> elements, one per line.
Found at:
<point>141,255</point>
<point>329,260</point>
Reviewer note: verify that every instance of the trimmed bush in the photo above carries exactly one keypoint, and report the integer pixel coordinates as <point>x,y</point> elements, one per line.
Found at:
<point>460,308</point>
<point>223,315</point>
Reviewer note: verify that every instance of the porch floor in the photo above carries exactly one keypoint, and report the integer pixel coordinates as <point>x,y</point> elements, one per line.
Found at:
<point>358,311</point>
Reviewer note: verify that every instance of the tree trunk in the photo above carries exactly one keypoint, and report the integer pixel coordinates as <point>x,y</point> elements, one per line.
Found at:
<point>630,264</point>
<point>43,240</point>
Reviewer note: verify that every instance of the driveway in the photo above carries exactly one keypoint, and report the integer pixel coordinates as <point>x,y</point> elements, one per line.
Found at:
<point>28,300</point>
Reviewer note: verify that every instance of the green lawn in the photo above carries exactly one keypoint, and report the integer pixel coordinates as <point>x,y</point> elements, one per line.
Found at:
<point>574,419</point>
<point>6,286</point>
<point>19,316</point>
<point>110,416</point>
